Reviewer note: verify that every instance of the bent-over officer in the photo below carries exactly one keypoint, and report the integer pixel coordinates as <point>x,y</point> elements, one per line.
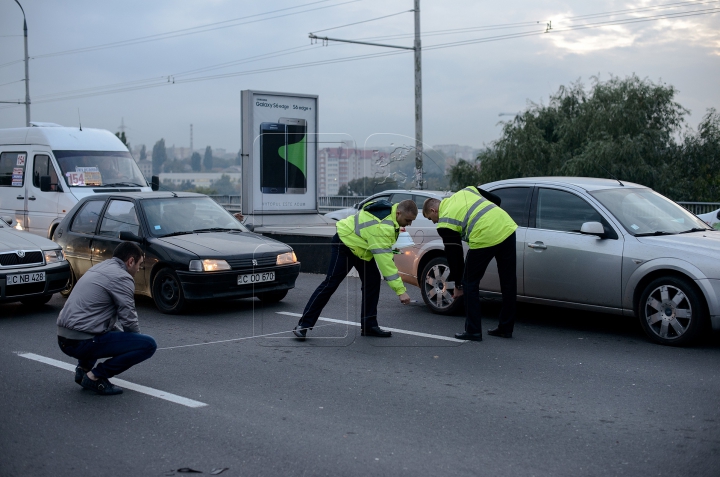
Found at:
<point>88,328</point>
<point>490,233</point>
<point>363,241</point>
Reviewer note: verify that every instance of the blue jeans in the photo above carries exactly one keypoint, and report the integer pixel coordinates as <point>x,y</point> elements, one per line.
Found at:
<point>342,260</point>
<point>125,350</point>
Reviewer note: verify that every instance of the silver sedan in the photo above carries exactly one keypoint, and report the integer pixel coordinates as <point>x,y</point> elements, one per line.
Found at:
<point>593,244</point>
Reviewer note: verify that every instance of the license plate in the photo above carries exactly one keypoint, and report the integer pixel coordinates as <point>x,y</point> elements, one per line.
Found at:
<point>25,278</point>
<point>255,278</point>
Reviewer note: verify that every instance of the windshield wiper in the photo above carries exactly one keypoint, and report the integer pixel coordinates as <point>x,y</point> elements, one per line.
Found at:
<point>213,229</point>
<point>695,229</point>
<point>118,184</point>
<point>184,232</point>
<point>658,232</point>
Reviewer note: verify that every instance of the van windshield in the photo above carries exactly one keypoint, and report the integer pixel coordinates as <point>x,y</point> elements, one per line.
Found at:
<point>99,169</point>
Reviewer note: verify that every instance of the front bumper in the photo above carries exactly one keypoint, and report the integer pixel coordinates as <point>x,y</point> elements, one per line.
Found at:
<point>202,285</point>
<point>56,277</point>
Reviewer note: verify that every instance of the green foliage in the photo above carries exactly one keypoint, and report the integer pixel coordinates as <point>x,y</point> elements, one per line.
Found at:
<point>627,128</point>
<point>225,186</point>
<point>196,162</point>
<point>143,153</point>
<point>159,156</point>
<point>463,174</point>
<point>123,138</point>
<point>208,159</point>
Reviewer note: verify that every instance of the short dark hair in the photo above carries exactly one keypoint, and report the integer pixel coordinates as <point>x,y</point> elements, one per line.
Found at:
<point>431,202</point>
<point>127,250</point>
<point>408,207</point>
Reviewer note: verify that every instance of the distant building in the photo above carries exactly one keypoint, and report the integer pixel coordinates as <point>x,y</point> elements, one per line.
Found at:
<point>145,167</point>
<point>198,179</point>
<point>339,165</point>
<point>457,152</point>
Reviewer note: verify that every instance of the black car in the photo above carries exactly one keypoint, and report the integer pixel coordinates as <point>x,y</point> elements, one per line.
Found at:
<point>194,248</point>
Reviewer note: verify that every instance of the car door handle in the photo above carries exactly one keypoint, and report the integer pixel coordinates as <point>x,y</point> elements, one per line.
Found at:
<point>20,197</point>
<point>32,197</point>
<point>537,246</point>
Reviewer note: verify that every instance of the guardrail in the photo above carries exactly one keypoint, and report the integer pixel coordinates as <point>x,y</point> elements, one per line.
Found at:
<point>698,208</point>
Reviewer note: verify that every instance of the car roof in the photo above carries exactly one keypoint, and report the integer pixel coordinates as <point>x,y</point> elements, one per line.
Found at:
<point>587,183</point>
<point>439,193</point>
<point>145,195</point>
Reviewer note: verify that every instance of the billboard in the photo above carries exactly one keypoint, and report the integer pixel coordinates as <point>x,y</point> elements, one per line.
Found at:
<point>279,148</point>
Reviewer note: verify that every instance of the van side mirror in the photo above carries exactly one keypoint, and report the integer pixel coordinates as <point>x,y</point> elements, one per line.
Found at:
<point>45,185</point>
<point>250,227</point>
<point>127,236</point>
<point>592,228</point>
<point>7,219</point>
<point>155,183</point>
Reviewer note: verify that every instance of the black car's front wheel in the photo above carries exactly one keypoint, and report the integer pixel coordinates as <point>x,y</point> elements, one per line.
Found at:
<point>167,292</point>
<point>671,311</point>
<point>436,290</point>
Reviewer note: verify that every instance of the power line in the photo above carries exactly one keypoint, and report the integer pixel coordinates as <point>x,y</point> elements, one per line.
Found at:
<point>364,21</point>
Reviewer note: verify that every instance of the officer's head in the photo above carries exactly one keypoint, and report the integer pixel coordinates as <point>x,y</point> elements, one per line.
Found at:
<point>406,212</point>
<point>131,254</point>
<point>430,209</point>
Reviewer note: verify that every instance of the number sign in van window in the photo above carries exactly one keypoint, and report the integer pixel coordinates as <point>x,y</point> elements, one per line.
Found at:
<point>12,169</point>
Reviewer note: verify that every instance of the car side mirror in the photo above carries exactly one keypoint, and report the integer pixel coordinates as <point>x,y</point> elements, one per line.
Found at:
<point>45,184</point>
<point>592,228</point>
<point>250,227</point>
<point>127,236</point>
<point>7,220</point>
<point>155,183</point>
<point>718,215</point>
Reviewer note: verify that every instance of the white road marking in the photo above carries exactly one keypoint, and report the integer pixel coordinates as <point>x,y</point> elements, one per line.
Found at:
<point>394,330</point>
<point>120,382</point>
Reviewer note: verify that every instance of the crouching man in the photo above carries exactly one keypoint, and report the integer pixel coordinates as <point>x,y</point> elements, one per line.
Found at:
<point>88,323</point>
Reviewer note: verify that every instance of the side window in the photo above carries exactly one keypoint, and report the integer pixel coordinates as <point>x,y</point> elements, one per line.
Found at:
<point>87,218</point>
<point>42,166</point>
<point>515,203</point>
<point>374,199</point>
<point>420,201</point>
<point>119,217</point>
<point>397,198</point>
<point>12,169</point>
<point>560,210</point>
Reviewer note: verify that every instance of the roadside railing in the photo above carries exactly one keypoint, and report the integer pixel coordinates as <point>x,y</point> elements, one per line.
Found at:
<point>698,208</point>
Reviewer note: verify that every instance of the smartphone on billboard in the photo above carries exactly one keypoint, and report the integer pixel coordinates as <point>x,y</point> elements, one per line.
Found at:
<point>296,154</point>
<point>273,169</point>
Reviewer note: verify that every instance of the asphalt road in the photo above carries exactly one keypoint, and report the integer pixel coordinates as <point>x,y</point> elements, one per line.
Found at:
<point>573,393</point>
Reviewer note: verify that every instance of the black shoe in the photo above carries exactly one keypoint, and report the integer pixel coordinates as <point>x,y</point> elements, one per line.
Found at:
<point>102,386</point>
<point>79,373</point>
<point>300,332</point>
<point>376,331</point>
<point>498,332</point>
<point>468,336</point>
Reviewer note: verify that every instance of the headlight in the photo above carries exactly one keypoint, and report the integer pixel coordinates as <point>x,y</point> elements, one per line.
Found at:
<point>53,256</point>
<point>285,258</point>
<point>208,265</point>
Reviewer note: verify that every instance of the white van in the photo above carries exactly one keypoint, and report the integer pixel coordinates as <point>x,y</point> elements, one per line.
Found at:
<point>47,168</point>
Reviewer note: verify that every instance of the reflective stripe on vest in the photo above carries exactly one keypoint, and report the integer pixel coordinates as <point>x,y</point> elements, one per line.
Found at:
<point>359,226</point>
<point>391,277</point>
<point>376,251</point>
<point>468,230</point>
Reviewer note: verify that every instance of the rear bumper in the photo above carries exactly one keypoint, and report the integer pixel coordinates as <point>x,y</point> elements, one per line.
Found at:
<point>56,277</point>
<point>200,286</point>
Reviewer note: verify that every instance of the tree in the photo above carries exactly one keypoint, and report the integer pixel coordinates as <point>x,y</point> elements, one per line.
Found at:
<point>143,153</point>
<point>159,156</point>
<point>196,162</point>
<point>208,159</point>
<point>369,185</point>
<point>123,139</point>
<point>463,174</point>
<point>224,186</point>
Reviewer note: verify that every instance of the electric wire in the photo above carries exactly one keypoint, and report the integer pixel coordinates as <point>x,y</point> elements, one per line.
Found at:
<point>364,21</point>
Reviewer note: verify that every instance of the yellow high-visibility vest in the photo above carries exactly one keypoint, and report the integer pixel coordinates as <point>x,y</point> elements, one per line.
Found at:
<point>480,222</point>
<point>369,237</point>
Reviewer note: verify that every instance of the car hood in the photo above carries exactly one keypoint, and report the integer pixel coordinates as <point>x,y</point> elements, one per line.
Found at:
<point>223,244</point>
<point>697,243</point>
<point>16,240</point>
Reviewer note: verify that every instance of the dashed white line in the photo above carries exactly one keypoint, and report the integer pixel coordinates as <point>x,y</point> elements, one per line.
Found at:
<point>394,330</point>
<point>120,382</point>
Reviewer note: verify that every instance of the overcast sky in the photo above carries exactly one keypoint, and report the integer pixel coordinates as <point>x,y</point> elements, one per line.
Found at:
<point>465,88</point>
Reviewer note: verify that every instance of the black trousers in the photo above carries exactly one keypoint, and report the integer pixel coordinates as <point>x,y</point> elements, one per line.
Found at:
<point>342,260</point>
<point>476,263</point>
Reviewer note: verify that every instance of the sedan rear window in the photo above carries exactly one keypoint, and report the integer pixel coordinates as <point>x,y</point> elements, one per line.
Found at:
<point>515,203</point>
<point>85,221</point>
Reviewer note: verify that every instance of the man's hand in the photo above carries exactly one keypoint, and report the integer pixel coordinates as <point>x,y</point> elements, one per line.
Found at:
<point>239,216</point>
<point>404,298</point>
<point>457,293</point>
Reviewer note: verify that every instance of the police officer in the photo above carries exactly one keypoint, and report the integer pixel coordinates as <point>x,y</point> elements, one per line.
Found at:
<point>490,233</point>
<point>363,241</point>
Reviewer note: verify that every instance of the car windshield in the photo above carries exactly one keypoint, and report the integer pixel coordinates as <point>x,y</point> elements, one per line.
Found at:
<point>185,215</point>
<point>645,212</point>
<point>99,169</point>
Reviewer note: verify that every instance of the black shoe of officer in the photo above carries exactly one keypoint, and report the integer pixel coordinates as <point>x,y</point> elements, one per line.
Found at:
<point>499,333</point>
<point>300,332</point>
<point>79,373</point>
<point>468,336</point>
<point>102,386</point>
<point>376,331</point>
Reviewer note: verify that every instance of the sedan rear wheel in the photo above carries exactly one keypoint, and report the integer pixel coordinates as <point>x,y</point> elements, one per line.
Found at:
<point>671,311</point>
<point>435,288</point>
<point>167,292</point>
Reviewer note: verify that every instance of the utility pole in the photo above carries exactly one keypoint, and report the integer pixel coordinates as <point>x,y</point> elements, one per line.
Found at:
<point>418,87</point>
<point>191,141</point>
<point>27,75</point>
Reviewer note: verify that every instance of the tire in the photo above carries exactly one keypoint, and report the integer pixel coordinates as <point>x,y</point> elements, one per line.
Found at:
<point>167,293</point>
<point>273,296</point>
<point>436,292</point>
<point>671,311</point>
<point>36,301</point>
<point>70,284</point>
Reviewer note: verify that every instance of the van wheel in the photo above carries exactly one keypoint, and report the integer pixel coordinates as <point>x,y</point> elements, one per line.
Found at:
<point>167,292</point>
<point>70,284</point>
<point>436,290</point>
<point>671,311</point>
<point>272,297</point>
<point>36,301</point>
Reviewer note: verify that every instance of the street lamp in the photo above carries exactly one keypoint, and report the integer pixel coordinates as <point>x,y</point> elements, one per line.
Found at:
<point>27,78</point>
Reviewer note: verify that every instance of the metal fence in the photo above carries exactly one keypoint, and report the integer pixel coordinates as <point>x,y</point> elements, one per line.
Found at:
<point>698,208</point>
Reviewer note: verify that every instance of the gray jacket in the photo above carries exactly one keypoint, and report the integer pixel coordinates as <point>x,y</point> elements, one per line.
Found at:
<point>101,298</point>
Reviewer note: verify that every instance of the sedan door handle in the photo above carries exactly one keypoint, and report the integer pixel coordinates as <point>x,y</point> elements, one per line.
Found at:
<point>537,246</point>
<point>32,197</point>
<point>20,197</point>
